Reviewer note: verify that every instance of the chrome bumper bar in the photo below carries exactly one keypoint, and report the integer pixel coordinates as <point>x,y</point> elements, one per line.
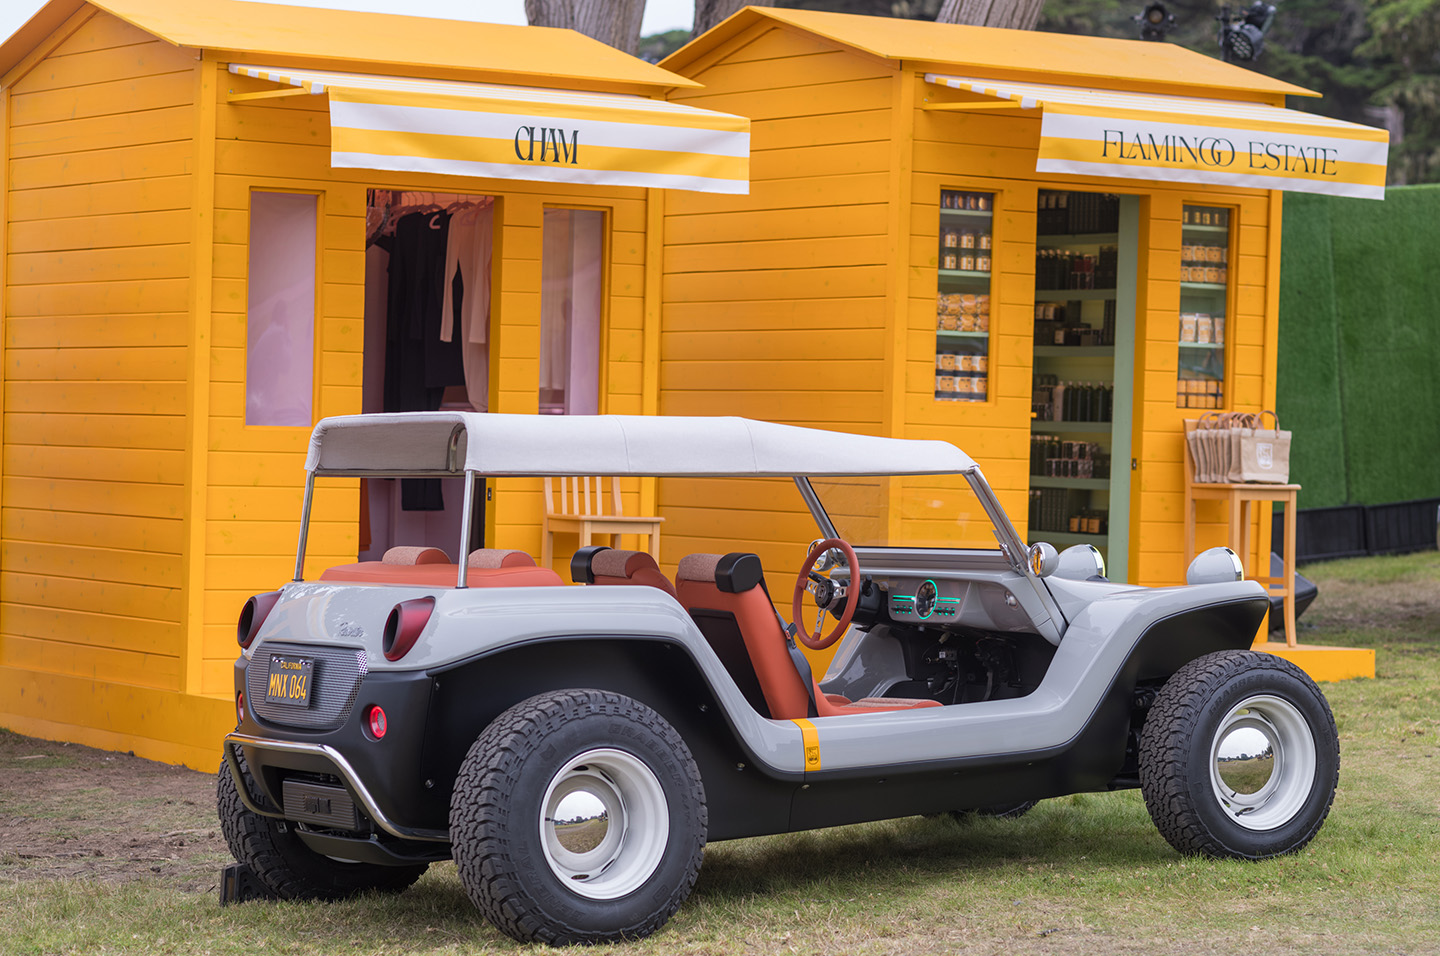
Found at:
<point>342,767</point>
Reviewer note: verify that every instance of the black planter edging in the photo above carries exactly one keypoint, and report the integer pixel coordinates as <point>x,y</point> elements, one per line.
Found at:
<point>1350,531</point>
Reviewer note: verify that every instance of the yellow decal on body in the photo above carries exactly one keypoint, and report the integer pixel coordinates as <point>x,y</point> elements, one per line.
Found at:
<point>811,738</point>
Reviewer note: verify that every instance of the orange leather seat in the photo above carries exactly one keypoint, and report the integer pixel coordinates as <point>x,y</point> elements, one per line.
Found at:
<point>431,567</point>
<point>723,594</point>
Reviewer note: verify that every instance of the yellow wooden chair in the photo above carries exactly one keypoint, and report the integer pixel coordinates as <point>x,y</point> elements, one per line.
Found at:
<point>584,507</point>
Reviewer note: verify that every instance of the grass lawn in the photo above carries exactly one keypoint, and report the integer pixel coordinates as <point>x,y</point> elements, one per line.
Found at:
<point>1086,875</point>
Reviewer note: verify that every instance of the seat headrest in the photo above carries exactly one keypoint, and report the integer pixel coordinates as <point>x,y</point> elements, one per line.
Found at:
<point>580,571</point>
<point>491,558</point>
<point>733,573</point>
<point>621,564</point>
<point>406,554</point>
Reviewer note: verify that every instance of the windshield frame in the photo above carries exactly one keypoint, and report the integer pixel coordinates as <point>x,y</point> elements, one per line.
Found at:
<point>1011,546</point>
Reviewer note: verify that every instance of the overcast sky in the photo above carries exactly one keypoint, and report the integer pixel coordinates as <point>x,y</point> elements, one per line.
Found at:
<point>660,15</point>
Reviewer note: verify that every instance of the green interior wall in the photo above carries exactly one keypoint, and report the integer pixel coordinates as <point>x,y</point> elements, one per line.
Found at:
<point>1359,368</point>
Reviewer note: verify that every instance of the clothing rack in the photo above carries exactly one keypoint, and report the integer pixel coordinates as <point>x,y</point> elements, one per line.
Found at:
<point>391,204</point>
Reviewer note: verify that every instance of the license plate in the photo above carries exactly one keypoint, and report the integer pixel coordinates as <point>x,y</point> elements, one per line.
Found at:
<point>290,680</point>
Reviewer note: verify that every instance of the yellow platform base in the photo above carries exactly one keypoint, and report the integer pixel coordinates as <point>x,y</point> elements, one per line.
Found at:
<point>1324,663</point>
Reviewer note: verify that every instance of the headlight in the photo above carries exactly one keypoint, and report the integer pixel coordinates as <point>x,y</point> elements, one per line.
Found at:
<point>1216,566</point>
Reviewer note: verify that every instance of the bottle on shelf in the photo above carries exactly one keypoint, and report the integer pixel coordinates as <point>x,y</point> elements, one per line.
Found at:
<point>1058,402</point>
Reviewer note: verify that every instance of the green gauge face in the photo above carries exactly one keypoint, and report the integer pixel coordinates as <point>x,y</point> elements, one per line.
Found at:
<point>925,599</point>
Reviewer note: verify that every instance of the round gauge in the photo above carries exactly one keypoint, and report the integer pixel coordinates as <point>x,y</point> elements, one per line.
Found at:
<point>925,599</point>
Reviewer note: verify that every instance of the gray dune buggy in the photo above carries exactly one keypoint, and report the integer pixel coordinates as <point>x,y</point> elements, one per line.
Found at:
<point>573,748</point>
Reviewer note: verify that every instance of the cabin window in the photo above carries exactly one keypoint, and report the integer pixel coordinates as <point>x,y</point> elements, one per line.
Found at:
<point>572,296</point>
<point>280,309</point>
<point>962,307</point>
<point>1204,301</point>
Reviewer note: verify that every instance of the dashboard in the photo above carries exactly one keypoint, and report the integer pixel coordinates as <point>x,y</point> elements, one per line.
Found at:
<point>941,601</point>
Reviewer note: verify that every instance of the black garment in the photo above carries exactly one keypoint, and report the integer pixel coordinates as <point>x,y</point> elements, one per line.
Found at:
<point>418,366</point>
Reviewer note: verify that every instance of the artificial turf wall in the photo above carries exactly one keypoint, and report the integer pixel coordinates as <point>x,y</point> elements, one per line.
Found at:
<point>1359,375</point>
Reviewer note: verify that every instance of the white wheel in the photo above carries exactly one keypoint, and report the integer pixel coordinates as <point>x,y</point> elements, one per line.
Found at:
<point>604,823</point>
<point>1239,757</point>
<point>1262,762</point>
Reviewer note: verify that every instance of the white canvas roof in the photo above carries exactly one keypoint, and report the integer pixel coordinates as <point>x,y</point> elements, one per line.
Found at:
<point>450,443</point>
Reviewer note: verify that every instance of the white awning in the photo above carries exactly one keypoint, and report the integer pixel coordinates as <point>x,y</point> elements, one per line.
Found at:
<point>449,443</point>
<point>1090,132</point>
<point>405,124</point>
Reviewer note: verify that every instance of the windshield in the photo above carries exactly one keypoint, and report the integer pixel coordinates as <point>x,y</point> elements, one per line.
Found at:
<point>918,511</point>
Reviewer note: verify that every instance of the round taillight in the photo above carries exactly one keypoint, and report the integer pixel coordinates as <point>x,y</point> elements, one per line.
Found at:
<point>375,722</point>
<point>240,708</point>
<point>402,628</point>
<point>252,615</point>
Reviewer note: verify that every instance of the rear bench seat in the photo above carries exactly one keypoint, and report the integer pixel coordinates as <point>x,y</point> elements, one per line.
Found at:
<point>432,568</point>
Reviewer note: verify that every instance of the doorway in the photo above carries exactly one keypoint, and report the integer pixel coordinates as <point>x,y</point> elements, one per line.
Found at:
<point>1086,267</point>
<point>428,280</point>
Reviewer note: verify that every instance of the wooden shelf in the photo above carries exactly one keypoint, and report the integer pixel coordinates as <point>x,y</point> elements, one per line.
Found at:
<point>969,274</point>
<point>1080,428</point>
<point>943,334</point>
<point>1200,345</point>
<point>966,213</point>
<point>1075,351</point>
<point>1083,484</point>
<point>1067,538</point>
<point>1080,239</point>
<point>1201,287</point>
<point>1211,229</point>
<point>1074,295</point>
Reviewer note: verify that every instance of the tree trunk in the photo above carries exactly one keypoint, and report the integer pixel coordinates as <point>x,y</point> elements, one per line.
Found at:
<point>1014,14</point>
<point>616,22</point>
<point>710,12</point>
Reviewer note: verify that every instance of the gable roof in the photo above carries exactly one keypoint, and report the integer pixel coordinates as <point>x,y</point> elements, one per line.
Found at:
<point>375,42</point>
<point>1005,54</point>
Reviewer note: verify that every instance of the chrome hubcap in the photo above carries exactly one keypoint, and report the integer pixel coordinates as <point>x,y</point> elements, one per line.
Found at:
<point>1262,762</point>
<point>604,823</point>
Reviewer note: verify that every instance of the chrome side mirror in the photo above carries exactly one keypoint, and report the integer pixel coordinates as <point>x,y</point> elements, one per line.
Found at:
<point>1044,559</point>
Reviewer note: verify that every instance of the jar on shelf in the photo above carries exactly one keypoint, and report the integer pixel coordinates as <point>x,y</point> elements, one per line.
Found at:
<point>950,238</point>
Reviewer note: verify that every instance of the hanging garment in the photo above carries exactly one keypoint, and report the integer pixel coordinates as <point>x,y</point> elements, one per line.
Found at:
<point>468,258</point>
<point>415,367</point>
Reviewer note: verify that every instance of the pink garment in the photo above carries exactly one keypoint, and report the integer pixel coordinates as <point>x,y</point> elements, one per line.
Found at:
<point>471,232</point>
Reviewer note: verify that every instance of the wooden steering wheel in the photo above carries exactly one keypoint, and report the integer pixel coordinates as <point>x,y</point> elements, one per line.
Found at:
<point>826,594</point>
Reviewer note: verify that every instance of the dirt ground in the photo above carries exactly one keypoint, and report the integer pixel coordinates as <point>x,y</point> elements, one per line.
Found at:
<point>68,811</point>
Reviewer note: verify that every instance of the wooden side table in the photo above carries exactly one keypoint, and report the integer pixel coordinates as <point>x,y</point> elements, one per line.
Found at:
<point>1238,500</point>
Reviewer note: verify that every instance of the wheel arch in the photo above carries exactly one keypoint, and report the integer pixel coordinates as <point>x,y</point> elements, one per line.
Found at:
<point>745,795</point>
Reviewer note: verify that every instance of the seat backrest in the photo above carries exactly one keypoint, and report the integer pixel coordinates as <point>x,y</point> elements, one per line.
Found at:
<point>724,596</point>
<point>582,495</point>
<point>598,564</point>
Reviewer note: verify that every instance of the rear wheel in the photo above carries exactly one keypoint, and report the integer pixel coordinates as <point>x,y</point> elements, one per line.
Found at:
<point>1239,757</point>
<point>284,864</point>
<point>578,816</point>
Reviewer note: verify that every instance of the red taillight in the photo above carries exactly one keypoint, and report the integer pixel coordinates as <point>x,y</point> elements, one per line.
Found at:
<point>402,628</point>
<point>375,721</point>
<point>239,708</point>
<point>253,615</point>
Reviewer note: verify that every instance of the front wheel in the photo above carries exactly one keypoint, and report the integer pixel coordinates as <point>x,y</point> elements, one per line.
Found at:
<point>1239,757</point>
<point>578,816</point>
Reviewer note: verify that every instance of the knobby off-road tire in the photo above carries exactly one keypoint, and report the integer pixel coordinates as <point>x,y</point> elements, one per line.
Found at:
<point>284,864</point>
<point>537,873</point>
<point>1239,757</point>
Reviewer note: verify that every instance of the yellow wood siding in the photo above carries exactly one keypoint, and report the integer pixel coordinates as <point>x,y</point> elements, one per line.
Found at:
<point>813,299</point>
<point>96,265</point>
<point>775,303</point>
<point>256,474</point>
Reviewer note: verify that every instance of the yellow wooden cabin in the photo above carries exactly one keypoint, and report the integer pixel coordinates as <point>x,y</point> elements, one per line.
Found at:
<point>949,227</point>
<point>195,192</point>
